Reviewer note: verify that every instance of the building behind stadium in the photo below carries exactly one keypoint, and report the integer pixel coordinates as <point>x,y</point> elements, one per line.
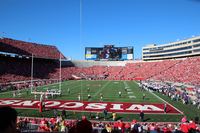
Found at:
<point>179,49</point>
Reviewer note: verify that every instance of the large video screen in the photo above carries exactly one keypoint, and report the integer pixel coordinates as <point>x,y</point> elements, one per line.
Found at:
<point>109,52</point>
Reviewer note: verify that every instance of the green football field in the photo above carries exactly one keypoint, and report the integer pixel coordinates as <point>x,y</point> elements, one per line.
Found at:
<point>110,91</point>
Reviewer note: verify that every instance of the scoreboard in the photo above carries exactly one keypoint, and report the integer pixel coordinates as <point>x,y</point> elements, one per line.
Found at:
<point>109,52</point>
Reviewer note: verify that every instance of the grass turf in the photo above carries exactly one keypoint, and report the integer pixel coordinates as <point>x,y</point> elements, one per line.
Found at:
<point>110,90</point>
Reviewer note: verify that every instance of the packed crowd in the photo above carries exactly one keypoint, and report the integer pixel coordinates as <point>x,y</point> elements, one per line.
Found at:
<point>183,71</point>
<point>10,123</point>
<point>59,124</point>
<point>18,69</point>
<point>14,70</point>
<point>27,48</point>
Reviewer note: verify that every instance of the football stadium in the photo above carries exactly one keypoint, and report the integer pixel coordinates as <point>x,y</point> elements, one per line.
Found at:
<point>100,66</point>
<point>111,91</point>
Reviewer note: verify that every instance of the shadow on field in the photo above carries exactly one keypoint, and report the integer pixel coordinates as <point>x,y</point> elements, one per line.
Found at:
<point>118,118</point>
<point>147,119</point>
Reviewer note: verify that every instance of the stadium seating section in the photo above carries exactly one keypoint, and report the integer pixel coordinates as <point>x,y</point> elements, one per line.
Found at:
<point>46,66</point>
<point>46,69</point>
<point>27,48</point>
<point>183,71</point>
<point>57,124</point>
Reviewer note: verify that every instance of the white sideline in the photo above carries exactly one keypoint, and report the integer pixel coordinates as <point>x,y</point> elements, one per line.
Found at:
<point>166,102</point>
<point>163,100</point>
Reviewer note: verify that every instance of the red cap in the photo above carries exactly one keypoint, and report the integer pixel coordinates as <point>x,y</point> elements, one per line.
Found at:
<point>134,121</point>
<point>83,117</point>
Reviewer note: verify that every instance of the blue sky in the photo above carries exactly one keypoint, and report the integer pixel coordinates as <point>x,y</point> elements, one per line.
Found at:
<point>119,22</point>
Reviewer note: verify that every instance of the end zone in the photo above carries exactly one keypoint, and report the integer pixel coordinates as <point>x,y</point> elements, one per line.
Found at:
<point>85,106</point>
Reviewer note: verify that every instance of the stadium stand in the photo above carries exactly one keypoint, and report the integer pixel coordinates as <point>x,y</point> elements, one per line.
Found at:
<point>58,124</point>
<point>26,48</point>
<point>186,71</point>
<point>182,70</point>
<point>16,62</point>
<point>15,71</point>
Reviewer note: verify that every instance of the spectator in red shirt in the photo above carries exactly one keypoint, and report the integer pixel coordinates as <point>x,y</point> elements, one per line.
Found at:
<point>192,126</point>
<point>121,126</point>
<point>184,127</point>
<point>127,127</point>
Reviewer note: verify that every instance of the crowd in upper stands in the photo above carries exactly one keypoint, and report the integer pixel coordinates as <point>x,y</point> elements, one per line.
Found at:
<point>28,49</point>
<point>19,69</point>
<point>182,71</point>
<point>185,71</point>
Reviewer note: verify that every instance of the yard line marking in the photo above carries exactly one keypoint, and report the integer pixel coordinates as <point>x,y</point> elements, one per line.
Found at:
<point>126,85</point>
<point>101,89</point>
<point>131,96</point>
<point>130,91</point>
